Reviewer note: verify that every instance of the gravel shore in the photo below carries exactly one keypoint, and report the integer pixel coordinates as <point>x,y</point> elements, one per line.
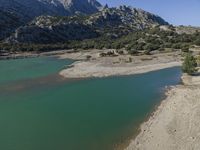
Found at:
<point>176,123</point>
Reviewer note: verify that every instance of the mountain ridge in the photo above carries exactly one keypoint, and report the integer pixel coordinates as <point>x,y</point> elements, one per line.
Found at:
<point>26,10</point>
<point>112,22</point>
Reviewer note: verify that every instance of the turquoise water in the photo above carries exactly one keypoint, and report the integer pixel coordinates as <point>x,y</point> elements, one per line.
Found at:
<point>41,111</point>
<point>18,69</point>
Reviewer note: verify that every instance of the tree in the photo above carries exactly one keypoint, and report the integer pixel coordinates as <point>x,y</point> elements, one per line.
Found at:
<point>150,47</point>
<point>189,64</point>
<point>198,60</point>
<point>133,52</point>
<point>197,42</point>
<point>185,47</point>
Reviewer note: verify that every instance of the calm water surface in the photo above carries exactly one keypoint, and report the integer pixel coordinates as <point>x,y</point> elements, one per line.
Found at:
<point>41,111</point>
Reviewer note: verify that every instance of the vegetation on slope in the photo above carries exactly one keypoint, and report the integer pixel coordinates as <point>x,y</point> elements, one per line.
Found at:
<point>143,40</point>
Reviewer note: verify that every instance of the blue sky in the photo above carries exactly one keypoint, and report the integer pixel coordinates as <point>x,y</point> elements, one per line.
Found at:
<point>176,12</point>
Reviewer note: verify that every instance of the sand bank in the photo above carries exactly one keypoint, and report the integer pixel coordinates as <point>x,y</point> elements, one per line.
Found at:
<point>88,69</point>
<point>98,66</point>
<point>176,123</point>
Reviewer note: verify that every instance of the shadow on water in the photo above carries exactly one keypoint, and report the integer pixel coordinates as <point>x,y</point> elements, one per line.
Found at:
<point>36,83</point>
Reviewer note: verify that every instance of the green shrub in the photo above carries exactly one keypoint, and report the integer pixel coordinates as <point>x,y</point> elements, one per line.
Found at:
<point>185,47</point>
<point>133,52</point>
<point>189,64</point>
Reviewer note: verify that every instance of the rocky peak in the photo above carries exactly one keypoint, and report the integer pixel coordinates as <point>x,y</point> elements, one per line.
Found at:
<point>75,6</point>
<point>81,6</point>
<point>126,16</point>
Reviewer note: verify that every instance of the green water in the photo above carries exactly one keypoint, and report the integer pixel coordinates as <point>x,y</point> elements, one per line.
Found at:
<point>18,69</point>
<point>40,111</point>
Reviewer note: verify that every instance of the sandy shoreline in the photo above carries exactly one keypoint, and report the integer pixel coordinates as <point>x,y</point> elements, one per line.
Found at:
<point>95,70</point>
<point>120,65</point>
<point>175,125</point>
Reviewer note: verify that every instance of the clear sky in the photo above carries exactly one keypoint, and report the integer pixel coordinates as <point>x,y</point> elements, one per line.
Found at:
<point>176,12</point>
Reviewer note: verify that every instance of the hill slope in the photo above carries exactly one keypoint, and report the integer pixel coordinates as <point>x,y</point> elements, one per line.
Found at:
<point>110,22</point>
<point>26,10</point>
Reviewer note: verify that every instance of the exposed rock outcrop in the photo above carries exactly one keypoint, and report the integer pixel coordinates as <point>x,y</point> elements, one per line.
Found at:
<point>113,22</point>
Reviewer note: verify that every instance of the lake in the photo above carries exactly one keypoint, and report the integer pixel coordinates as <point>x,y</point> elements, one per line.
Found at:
<point>39,110</point>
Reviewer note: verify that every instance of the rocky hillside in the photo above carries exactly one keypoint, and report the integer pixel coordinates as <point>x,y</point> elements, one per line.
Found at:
<point>110,22</point>
<point>80,6</point>
<point>15,13</point>
<point>187,29</point>
<point>125,16</point>
<point>8,23</point>
<point>48,29</point>
<point>28,9</point>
